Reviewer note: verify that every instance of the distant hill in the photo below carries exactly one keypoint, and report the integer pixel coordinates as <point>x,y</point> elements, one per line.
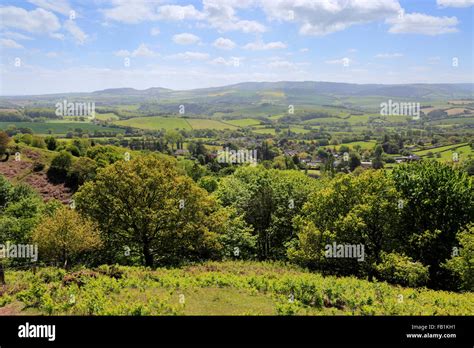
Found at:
<point>322,88</point>
<point>358,96</point>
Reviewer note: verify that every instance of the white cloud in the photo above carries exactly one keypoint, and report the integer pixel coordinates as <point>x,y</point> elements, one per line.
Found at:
<point>240,25</point>
<point>59,6</point>
<point>141,51</point>
<point>304,50</point>
<point>75,31</point>
<point>419,23</point>
<point>186,39</point>
<point>190,56</point>
<point>455,3</point>
<point>218,14</point>
<point>388,55</point>
<point>343,61</point>
<point>232,61</point>
<point>323,17</point>
<point>35,21</point>
<point>132,12</point>
<point>8,43</point>
<point>52,54</point>
<point>225,44</point>
<point>175,12</point>
<point>15,36</point>
<point>155,31</point>
<point>222,16</point>
<point>259,45</point>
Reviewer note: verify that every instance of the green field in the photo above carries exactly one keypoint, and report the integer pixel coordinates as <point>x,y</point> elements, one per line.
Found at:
<point>299,130</point>
<point>106,117</point>
<point>156,123</point>
<point>270,131</point>
<point>202,123</point>
<point>168,123</point>
<point>364,145</point>
<point>244,122</point>
<point>217,288</point>
<point>438,149</point>
<point>463,150</point>
<point>60,127</point>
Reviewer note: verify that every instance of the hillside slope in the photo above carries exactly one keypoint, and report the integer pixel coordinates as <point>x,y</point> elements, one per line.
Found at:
<point>218,288</point>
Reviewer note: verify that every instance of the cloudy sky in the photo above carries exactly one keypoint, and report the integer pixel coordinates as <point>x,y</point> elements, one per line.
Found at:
<point>54,46</point>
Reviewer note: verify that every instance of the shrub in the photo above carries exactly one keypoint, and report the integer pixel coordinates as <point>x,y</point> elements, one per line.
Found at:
<point>38,142</point>
<point>400,269</point>
<point>38,166</point>
<point>209,183</point>
<point>462,263</point>
<point>51,143</point>
<point>82,170</point>
<point>61,164</point>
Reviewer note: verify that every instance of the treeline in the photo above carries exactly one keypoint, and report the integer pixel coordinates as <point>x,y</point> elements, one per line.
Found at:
<point>28,115</point>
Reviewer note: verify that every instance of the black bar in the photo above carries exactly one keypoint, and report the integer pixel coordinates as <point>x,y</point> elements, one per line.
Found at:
<point>226,331</point>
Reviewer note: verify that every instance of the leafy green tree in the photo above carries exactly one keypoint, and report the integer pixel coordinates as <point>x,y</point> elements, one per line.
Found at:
<point>352,210</point>
<point>268,201</point>
<point>20,211</point>
<point>462,262</point>
<point>438,201</point>
<point>197,148</point>
<point>105,155</point>
<point>60,165</point>
<point>237,239</point>
<point>401,269</point>
<point>377,162</point>
<point>209,183</point>
<point>51,143</point>
<point>63,236</point>
<point>82,169</point>
<point>354,161</point>
<point>146,205</point>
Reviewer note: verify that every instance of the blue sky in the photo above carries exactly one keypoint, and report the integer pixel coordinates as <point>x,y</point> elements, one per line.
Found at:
<point>54,46</point>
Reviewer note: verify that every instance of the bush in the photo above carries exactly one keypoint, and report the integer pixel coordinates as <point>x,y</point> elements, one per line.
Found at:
<point>401,269</point>
<point>61,164</point>
<point>51,143</point>
<point>38,166</point>
<point>38,142</point>
<point>209,183</point>
<point>82,170</point>
<point>462,263</point>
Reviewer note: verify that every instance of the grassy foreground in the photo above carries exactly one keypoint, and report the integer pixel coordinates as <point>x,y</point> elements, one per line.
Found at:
<point>216,288</point>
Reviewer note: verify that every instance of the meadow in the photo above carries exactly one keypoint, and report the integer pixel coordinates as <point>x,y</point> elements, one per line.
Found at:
<point>217,288</point>
<point>171,123</point>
